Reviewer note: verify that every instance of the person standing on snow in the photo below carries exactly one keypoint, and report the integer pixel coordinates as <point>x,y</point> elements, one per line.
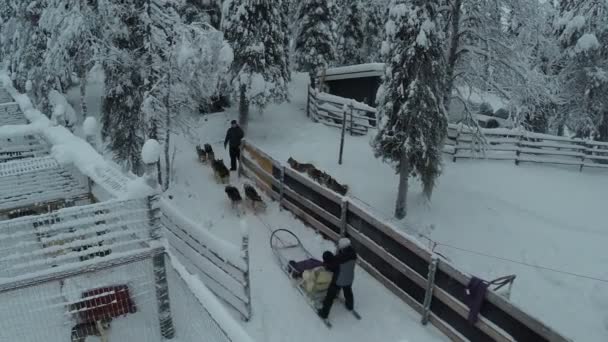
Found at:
<point>234,135</point>
<point>343,267</point>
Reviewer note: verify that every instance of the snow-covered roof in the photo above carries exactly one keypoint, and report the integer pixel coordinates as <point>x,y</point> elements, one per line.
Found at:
<point>34,246</point>
<point>26,182</point>
<point>70,149</point>
<point>10,114</point>
<point>21,147</point>
<point>353,71</point>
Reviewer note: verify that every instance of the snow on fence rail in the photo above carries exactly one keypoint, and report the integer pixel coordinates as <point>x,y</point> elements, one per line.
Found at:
<point>395,259</point>
<point>220,264</point>
<point>328,109</point>
<point>523,146</point>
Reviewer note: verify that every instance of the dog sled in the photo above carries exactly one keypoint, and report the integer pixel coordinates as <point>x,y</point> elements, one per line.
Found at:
<point>305,272</point>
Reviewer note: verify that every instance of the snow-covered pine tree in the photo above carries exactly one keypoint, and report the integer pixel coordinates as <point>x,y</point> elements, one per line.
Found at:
<point>351,35</point>
<point>373,31</point>
<point>413,120</point>
<point>124,37</point>
<point>71,24</point>
<point>582,30</point>
<point>255,31</point>
<point>315,42</point>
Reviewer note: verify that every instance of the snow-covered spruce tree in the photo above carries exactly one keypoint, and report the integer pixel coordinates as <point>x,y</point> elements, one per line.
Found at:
<point>373,31</point>
<point>124,36</point>
<point>254,30</point>
<point>413,120</point>
<point>315,42</point>
<point>71,25</point>
<point>287,29</point>
<point>351,35</point>
<point>582,29</point>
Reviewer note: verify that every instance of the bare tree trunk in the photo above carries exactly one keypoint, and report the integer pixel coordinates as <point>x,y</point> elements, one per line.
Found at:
<point>243,108</point>
<point>83,96</point>
<point>404,174</point>
<point>452,57</point>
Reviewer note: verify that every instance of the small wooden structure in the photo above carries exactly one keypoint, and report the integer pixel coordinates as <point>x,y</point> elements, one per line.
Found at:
<point>358,82</point>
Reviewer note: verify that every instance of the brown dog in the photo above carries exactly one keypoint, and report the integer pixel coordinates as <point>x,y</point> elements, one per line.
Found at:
<point>300,167</point>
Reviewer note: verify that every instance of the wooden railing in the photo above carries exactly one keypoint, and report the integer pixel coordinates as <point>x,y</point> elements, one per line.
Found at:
<point>330,110</point>
<point>223,267</point>
<point>523,146</point>
<point>397,261</point>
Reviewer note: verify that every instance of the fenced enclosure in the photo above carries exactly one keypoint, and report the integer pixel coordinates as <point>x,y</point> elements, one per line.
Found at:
<point>397,261</point>
<point>70,268</point>
<point>523,146</point>
<point>222,266</point>
<point>67,308</point>
<point>36,185</point>
<point>329,109</point>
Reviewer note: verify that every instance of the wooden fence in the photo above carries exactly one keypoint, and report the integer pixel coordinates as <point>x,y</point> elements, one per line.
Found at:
<point>329,109</point>
<point>222,266</point>
<point>397,261</point>
<point>523,146</point>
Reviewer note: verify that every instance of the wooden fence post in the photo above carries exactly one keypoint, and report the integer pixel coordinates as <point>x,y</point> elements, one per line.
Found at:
<point>245,253</point>
<point>161,286</point>
<point>308,101</point>
<point>428,296</point>
<point>456,144</point>
<point>281,188</point>
<point>352,119</point>
<point>343,216</point>
<point>517,148</point>
<point>241,148</point>
<point>343,132</point>
<point>584,155</point>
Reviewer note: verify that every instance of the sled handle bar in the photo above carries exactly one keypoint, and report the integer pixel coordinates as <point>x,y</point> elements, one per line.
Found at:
<point>272,237</point>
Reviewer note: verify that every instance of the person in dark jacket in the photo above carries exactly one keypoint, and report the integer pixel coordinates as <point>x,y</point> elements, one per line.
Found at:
<point>234,135</point>
<point>343,267</point>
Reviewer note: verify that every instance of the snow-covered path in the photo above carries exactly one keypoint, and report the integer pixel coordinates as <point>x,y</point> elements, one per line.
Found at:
<point>536,214</point>
<point>279,312</point>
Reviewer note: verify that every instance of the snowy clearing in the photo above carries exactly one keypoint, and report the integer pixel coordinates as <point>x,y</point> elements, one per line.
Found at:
<point>537,214</point>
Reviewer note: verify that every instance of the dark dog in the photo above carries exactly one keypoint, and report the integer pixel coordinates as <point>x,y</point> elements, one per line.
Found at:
<point>81,331</point>
<point>220,171</point>
<point>337,187</point>
<point>316,175</point>
<point>202,155</point>
<point>300,167</point>
<point>209,152</point>
<point>235,198</point>
<point>253,198</point>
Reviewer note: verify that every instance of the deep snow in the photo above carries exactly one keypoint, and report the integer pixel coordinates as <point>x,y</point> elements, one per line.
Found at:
<point>538,214</point>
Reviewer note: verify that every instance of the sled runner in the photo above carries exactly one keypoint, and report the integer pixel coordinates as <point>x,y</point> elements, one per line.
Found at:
<point>302,268</point>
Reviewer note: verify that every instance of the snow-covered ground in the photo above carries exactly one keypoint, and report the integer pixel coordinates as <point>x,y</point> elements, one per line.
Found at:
<point>279,312</point>
<point>536,214</point>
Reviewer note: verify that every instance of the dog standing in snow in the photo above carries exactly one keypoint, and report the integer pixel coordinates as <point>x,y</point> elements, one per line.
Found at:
<point>235,199</point>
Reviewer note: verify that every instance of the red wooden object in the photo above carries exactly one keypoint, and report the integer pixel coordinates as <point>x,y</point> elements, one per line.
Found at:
<point>105,303</point>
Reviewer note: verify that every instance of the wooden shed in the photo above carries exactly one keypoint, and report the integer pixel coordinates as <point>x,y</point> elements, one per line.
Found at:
<point>359,82</point>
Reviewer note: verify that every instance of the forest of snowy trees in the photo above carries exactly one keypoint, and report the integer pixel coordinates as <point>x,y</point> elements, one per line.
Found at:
<point>162,58</point>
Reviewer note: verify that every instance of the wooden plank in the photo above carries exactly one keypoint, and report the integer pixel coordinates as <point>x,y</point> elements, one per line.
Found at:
<point>312,206</point>
<point>551,152</point>
<point>507,307</point>
<point>390,231</point>
<point>439,294</point>
<point>262,174</point>
<point>436,321</point>
<point>314,186</point>
<point>310,220</point>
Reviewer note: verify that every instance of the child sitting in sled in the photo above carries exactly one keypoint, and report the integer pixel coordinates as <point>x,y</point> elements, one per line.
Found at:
<point>314,276</point>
